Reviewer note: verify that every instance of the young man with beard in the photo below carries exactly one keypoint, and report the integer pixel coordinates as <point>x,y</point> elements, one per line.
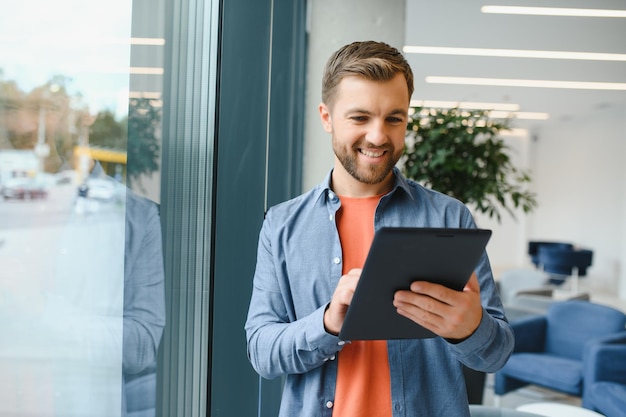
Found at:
<point>312,248</point>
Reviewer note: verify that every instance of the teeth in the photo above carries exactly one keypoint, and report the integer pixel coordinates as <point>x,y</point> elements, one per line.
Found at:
<point>372,154</point>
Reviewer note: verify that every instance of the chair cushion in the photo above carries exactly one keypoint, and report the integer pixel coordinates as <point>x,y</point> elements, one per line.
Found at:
<point>549,371</point>
<point>609,398</point>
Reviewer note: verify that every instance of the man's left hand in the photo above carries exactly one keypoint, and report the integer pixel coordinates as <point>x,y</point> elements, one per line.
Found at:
<point>446,312</point>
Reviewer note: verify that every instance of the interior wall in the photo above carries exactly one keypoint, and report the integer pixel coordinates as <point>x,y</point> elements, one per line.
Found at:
<point>578,166</point>
<point>508,246</point>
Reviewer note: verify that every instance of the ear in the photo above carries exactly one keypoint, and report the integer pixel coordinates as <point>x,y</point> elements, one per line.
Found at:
<point>327,122</point>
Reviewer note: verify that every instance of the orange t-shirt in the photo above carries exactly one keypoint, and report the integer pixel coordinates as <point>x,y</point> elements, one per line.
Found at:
<point>363,381</point>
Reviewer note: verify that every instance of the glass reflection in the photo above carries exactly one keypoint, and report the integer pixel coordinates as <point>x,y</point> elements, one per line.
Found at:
<point>81,265</point>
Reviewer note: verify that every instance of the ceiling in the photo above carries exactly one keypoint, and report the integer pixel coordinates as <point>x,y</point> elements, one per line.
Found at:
<point>461,24</point>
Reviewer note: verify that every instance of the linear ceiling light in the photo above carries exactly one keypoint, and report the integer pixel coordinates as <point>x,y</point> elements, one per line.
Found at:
<point>152,95</point>
<point>496,110</point>
<point>73,40</point>
<point>147,41</point>
<point>553,11</point>
<point>505,82</point>
<point>516,131</point>
<point>440,104</point>
<point>514,53</point>
<point>526,115</point>
<point>146,70</point>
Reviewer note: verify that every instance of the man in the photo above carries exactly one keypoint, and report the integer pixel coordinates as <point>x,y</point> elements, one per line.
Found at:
<point>311,249</point>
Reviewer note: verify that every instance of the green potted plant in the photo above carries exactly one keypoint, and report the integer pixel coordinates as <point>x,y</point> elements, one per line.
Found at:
<point>461,153</point>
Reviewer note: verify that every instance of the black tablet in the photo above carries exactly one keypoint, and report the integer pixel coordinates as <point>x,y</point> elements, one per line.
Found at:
<point>399,256</point>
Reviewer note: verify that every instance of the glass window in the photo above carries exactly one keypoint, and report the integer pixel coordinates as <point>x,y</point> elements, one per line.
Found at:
<point>81,282</point>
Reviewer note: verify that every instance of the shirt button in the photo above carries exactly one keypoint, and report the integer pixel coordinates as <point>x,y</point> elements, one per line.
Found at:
<point>331,217</point>
<point>336,261</point>
<point>332,358</point>
<point>341,343</point>
<point>329,404</point>
<point>331,195</point>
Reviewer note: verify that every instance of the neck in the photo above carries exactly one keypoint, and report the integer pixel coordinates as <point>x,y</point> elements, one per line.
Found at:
<point>344,184</point>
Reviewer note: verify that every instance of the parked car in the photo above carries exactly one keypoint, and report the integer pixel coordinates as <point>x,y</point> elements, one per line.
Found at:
<point>23,188</point>
<point>100,189</point>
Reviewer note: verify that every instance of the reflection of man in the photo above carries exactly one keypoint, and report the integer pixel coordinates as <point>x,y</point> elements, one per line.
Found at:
<point>39,118</point>
<point>311,250</point>
<point>144,300</point>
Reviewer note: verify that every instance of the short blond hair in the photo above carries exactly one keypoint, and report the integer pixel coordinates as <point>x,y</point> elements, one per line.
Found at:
<point>375,61</point>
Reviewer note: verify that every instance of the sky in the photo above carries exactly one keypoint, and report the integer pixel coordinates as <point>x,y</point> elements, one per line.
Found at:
<point>87,41</point>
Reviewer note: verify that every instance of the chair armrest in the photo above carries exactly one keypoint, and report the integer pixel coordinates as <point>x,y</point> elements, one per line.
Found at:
<point>533,301</point>
<point>530,333</point>
<point>540,292</point>
<point>605,359</point>
<point>615,339</point>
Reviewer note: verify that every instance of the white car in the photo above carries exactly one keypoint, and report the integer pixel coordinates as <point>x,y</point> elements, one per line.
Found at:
<point>23,188</point>
<point>100,189</point>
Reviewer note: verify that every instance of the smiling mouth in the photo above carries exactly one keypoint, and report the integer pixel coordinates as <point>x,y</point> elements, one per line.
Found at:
<point>372,154</point>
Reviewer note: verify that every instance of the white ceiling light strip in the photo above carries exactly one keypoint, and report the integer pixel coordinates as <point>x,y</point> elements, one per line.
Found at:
<point>519,115</point>
<point>147,41</point>
<point>496,110</point>
<point>514,53</point>
<point>440,104</point>
<point>505,82</point>
<point>516,131</point>
<point>146,70</point>
<point>49,39</point>
<point>152,95</point>
<point>552,11</point>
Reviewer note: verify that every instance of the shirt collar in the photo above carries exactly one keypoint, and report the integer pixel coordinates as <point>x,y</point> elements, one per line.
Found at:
<point>97,171</point>
<point>401,182</point>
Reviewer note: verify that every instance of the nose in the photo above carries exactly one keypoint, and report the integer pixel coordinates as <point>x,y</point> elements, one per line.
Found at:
<point>376,133</point>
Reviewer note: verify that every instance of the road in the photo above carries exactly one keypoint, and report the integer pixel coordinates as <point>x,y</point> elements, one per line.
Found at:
<point>61,306</point>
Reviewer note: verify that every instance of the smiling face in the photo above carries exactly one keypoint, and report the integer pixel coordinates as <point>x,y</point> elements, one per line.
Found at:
<point>367,120</point>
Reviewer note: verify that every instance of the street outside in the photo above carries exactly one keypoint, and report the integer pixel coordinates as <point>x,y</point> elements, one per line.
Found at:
<point>61,305</point>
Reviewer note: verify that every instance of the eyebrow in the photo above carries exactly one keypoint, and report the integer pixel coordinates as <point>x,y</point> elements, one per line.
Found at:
<point>391,113</point>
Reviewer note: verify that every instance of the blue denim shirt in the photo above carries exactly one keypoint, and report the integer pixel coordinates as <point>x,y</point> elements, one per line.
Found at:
<point>298,266</point>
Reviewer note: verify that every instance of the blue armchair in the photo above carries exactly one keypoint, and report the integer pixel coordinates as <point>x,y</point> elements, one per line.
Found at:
<point>535,246</point>
<point>604,376</point>
<point>562,263</point>
<point>549,348</point>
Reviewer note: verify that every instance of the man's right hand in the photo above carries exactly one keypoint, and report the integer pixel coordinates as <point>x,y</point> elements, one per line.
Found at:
<point>342,297</point>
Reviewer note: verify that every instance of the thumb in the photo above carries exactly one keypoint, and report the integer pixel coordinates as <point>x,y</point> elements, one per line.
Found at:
<point>472,285</point>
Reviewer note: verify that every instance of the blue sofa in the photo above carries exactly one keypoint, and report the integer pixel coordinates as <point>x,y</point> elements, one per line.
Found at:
<point>550,349</point>
<point>604,376</point>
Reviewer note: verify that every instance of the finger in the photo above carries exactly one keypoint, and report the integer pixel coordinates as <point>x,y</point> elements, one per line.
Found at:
<point>419,306</point>
<point>341,299</point>
<point>428,319</point>
<point>472,285</point>
<point>443,293</point>
<point>437,291</point>
<point>355,272</point>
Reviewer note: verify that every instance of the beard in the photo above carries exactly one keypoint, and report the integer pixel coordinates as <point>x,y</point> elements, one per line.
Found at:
<point>367,173</point>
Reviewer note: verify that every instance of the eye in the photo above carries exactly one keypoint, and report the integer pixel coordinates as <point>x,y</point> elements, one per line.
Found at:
<point>395,120</point>
<point>359,119</point>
